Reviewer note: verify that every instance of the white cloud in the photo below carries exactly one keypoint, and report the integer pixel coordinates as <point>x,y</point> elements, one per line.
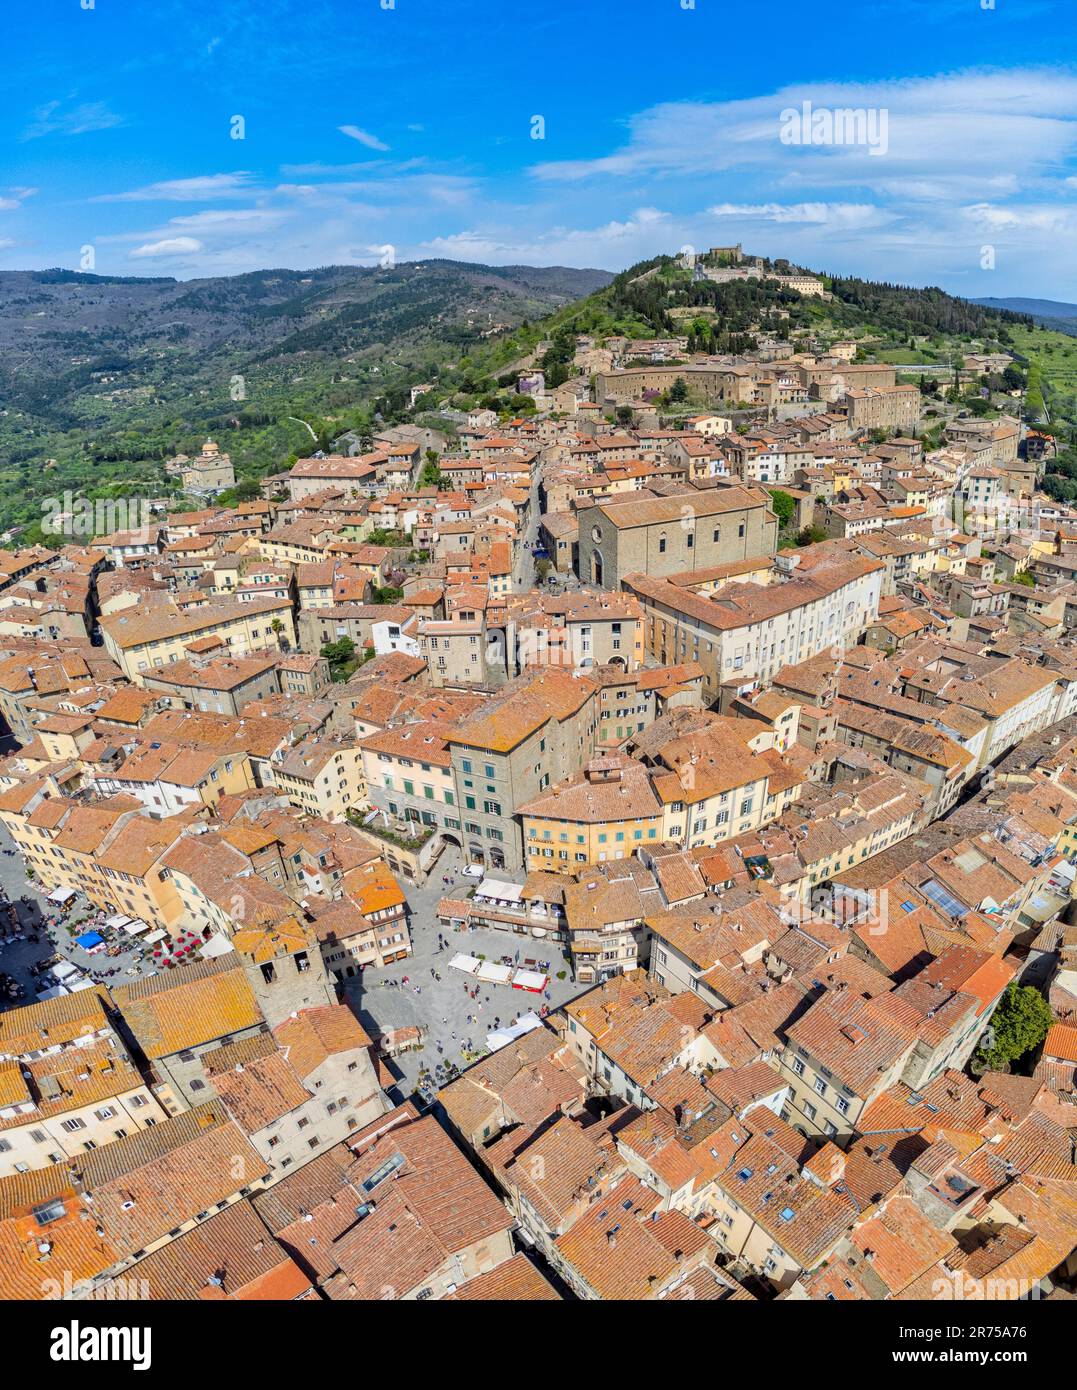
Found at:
<point>170,246</point>
<point>15,197</point>
<point>971,158</point>
<point>364,137</point>
<point>937,127</point>
<point>1026,217</point>
<point>220,219</point>
<point>54,118</point>
<point>205,186</point>
<point>968,157</point>
<point>615,242</point>
<point>833,214</point>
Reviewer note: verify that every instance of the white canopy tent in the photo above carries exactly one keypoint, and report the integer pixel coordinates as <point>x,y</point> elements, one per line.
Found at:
<point>216,946</point>
<point>62,895</point>
<point>495,890</point>
<point>501,1037</point>
<point>532,980</point>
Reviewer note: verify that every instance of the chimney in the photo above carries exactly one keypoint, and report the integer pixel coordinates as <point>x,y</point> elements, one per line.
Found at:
<point>827,1166</point>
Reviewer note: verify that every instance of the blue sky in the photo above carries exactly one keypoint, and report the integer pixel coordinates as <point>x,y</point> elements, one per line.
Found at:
<point>411,127</point>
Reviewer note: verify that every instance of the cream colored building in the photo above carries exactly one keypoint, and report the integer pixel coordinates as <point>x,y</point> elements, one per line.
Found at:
<point>75,1098</point>
<point>323,777</point>
<point>139,639</point>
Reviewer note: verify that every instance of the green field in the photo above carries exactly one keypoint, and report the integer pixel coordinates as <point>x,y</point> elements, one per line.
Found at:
<point>1055,352</point>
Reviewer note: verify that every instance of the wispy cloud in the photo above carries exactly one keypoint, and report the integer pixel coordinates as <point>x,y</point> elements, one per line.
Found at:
<point>833,214</point>
<point>170,246</point>
<point>363,136</point>
<point>963,123</point>
<point>56,118</point>
<point>15,197</point>
<point>203,188</point>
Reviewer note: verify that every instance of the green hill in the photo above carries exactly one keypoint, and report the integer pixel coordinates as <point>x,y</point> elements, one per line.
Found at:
<point>1052,313</point>
<point>102,379</point>
<point>108,376</point>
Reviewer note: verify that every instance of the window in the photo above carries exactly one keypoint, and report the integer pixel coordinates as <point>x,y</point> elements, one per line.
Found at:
<point>386,1170</point>
<point>70,1126</point>
<point>48,1211</point>
<point>798,1066</point>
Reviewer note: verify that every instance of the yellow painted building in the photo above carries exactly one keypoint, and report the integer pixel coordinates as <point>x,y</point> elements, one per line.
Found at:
<point>139,639</point>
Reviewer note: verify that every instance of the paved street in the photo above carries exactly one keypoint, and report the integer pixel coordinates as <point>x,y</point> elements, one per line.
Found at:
<point>443,1006</point>
<point>524,577</point>
<point>17,958</point>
